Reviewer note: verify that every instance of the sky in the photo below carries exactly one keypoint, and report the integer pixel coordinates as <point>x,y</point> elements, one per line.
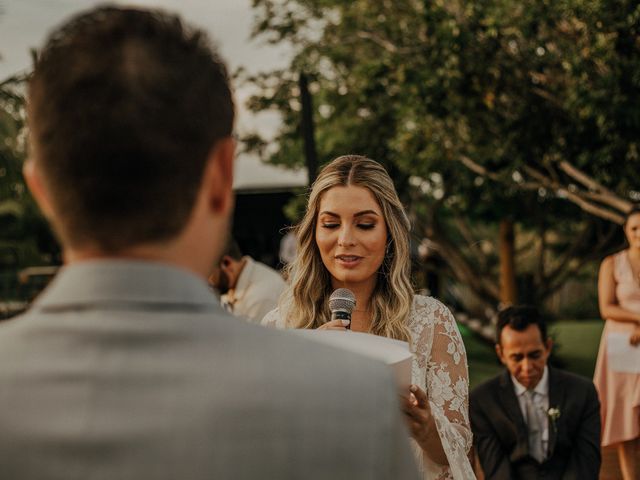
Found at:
<point>24,24</point>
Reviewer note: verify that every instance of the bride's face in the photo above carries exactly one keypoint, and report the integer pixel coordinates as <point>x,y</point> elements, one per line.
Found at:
<point>351,235</point>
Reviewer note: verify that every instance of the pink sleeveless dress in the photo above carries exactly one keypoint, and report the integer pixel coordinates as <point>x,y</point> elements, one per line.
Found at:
<point>619,391</point>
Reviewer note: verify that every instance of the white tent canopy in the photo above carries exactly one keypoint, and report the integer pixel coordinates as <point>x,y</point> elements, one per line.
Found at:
<point>251,175</point>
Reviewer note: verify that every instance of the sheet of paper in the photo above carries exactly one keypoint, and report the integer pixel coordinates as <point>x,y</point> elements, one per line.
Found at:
<point>394,353</point>
<point>622,356</point>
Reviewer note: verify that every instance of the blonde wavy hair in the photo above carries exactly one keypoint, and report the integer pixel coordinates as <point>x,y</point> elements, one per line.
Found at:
<point>304,304</point>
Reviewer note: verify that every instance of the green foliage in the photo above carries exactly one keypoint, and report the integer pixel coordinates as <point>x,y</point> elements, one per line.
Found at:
<point>421,85</point>
<point>469,104</point>
<point>25,238</point>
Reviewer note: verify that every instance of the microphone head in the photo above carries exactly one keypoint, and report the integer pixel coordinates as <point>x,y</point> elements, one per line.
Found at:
<point>342,299</point>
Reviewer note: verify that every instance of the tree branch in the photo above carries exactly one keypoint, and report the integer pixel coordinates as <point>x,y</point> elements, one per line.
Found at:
<point>472,242</point>
<point>576,198</point>
<point>381,42</point>
<point>603,194</point>
<point>460,266</point>
<point>570,253</point>
<point>587,201</point>
<point>477,168</point>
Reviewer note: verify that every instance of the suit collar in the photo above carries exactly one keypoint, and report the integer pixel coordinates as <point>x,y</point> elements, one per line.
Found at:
<point>511,407</point>
<point>124,281</point>
<point>509,399</point>
<point>556,399</point>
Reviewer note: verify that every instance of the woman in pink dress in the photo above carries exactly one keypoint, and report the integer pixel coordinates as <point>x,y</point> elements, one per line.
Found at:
<point>619,301</point>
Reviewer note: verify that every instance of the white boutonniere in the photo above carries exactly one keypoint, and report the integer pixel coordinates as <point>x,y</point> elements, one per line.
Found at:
<point>554,414</point>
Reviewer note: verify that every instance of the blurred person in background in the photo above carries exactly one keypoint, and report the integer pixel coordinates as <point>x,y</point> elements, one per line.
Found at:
<point>619,301</point>
<point>126,367</point>
<point>534,421</point>
<point>248,289</point>
<point>355,235</point>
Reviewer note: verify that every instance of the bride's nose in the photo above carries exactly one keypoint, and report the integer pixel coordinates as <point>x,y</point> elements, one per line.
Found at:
<point>346,238</point>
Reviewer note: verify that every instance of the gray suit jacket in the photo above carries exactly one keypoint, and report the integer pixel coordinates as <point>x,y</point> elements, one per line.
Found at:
<point>131,370</point>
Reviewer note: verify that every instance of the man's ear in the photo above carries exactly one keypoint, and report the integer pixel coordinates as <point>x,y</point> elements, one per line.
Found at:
<point>219,175</point>
<point>499,353</point>
<point>33,178</point>
<point>226,263</point>
<point>549,345</point>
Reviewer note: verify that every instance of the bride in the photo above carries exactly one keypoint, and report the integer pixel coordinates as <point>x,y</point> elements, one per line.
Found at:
<point>355,235</point>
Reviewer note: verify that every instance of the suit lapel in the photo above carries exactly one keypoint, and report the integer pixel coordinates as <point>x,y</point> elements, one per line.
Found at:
<point>512,408</point>
<point>556,398</point>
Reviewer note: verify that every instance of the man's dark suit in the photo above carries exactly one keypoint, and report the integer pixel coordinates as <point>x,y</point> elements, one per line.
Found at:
<point>500,432</point>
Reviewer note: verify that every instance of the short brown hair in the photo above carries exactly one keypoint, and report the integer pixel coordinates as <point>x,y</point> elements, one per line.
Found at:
<point>125,106</point>
<point>519,317</point>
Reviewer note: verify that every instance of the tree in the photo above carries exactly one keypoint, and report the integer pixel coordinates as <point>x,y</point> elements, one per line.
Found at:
<point>484,112</point>
<point>25,237</point>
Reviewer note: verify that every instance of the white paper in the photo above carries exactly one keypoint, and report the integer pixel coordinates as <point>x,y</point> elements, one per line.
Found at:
<point>394,353</point>
<point>621,355</point>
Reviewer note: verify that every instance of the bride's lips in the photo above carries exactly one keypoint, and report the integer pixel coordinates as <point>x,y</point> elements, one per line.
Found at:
<point>348,260</point>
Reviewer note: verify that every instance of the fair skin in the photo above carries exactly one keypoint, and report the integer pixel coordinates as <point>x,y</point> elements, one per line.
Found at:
<point>351,235</point>
<point>611,310</point>
<point>608,303</point>
<point>196,247</point>
<point>524,354</point>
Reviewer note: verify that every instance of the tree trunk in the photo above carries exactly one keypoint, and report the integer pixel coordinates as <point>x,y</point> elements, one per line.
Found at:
<point>508,293</point>
<point>307,127</point>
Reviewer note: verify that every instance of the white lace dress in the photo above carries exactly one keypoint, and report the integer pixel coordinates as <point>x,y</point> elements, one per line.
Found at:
<point>439,368</point>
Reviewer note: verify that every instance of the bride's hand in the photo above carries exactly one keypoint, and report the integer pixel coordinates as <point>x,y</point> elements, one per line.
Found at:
<point>422,425</point>
<point>335,325</point>
<point>419,419</point>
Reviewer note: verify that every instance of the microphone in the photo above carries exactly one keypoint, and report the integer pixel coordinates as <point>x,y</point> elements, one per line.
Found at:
<point>341,303</point>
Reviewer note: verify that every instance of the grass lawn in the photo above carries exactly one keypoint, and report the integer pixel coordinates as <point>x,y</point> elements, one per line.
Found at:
<point>576,347</point>
<point>576,344</point>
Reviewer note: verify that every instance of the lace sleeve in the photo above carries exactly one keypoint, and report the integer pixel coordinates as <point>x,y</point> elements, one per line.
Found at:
<point>447,384</point>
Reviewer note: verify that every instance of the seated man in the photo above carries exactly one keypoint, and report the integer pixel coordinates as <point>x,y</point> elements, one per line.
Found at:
<point>249,289</point>
<point>126,367</point>
<point>534,421</point>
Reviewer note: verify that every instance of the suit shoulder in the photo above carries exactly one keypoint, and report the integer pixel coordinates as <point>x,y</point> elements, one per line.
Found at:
<point>575,381</point>
<point>486,388</point>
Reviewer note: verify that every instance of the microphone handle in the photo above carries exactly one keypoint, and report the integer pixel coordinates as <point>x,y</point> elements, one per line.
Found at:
<point>342,315</point>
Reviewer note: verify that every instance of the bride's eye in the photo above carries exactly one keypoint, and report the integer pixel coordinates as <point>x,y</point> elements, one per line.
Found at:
<point>366,226</point>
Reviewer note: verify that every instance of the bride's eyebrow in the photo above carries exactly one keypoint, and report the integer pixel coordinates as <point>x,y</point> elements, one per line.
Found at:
<point>357,214</point>
<point>366,212</point>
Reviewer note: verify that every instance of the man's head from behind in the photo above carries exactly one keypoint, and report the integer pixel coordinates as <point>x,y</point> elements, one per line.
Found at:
<point>522,343</point>
<point>127,108</point>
